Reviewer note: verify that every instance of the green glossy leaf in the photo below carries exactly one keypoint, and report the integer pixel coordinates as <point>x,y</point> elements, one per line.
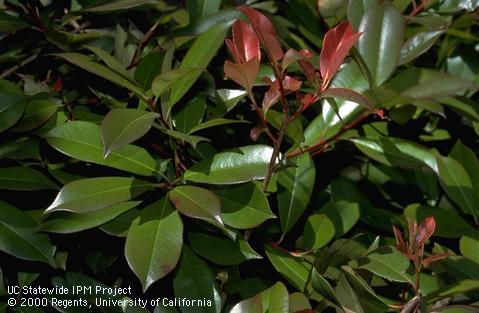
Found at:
<point>274,299</point>
<point>216,122</point>
<point>191,139</point>
<point>220,250</point>
<point>37,112</point>
<point>294,130</point>
<point>454,289</point>
<point>356,10</point>
<point>200,8</point>
<point>19,238</point>
<point>123,126</point>
<point>398,152</point>
<point>464,106</point>
<point>119,5</point>
<point>343,214</point>
<point>366,298</point>
<point>166,80</point>
<point>322,286</point>
<point>148,68</point>
<point>449,224</point>
<point>24,178</point>
<point>418,44</point>
<point>425,83</point>
<point>190,115</point>
<point>66,222</point>
<point>469,246</point>
<point>457,184</point>
<point>386,262</point>
<point>227,99</point>
<point>120,225</point>
<point>466,156</point>
<point>198,57</point>
<point>12,106</point>
<point>194,280</point>
<point>110,61</point>
<point>197,202</point>
<point>328,123</point>
<point>295,270</point>
<point>82,140</point>
<point>92,194</point>
<point>298,184</point>
<point>89,65</point>
<point>298,302</point>
<point>232,167</point>
<point>244,206</point>
<point>381,42</point>
<point>318,231</point>
<point>154,241</point>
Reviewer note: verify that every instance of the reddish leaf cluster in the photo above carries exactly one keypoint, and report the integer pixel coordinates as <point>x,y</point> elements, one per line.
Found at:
<point>245,49</point>
<point>414,248</point>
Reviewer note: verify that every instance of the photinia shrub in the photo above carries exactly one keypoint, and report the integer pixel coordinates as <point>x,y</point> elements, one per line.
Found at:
<point>239,156</point>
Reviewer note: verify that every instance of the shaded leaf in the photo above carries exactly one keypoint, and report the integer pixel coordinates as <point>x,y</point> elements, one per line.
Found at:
<point>37,112</point>
<point>298,184</point>
<point>318,231</point>
<point>119,5</point>
<point>166,80</point>
<point>19,238</point>
<point>244,206</point>
<point>418,44</point>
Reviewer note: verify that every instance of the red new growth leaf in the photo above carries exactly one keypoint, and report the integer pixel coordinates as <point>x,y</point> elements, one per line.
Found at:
<point>425,231</point>
<point>243,74</point>
<point>400,243</point>
<point>293,56</point>
<point>436,257</point>
<point>273,94</point>
<point>336,45</point>
<point>245,44</point>
<point>265,31</point>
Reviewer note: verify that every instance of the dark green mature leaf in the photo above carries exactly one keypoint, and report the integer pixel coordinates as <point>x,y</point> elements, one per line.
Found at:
<point>198,57</point>
<point>112,62</point>
<point>216,122</point>
<point>37,112</point>
<point>356,10</point>
<point>381,42</point>
<point>222,251</point>
<point>386,262</point>
<point>67,222</point>
<point>119,5</point>
<point>120,225</point>
<point>166,80</point>
<point>194,280</point>
<point>418,44</point>
<point>92,194</point>
<point>18,236</point>
<point>448,223</point>
<point>322,286</point>
<point>190,114</point>
<point>274,299</point>
<point>197,202</point>
<point>9,23</point>
<point>425,83</point>
<point>244,206</point>
<point>469,246</point>
<point>367,298</point>
<point>82,140</point>
<point>123,126</point>
<point>343,214</point>
<point>295,270</point>
<point>318,231</point>
<point>298,183</point>
<point>201,8</point>
<point>398,152</point>
<point>12,106</point>
<point>466,156</point>
<point>461,287</point>
<point>89,65</point>
<point>24,178</point>
<point>154,241</point>
<point>148,68</point>
<point>457,184</point>
<point>232,167</point>
<point>328,124</point>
